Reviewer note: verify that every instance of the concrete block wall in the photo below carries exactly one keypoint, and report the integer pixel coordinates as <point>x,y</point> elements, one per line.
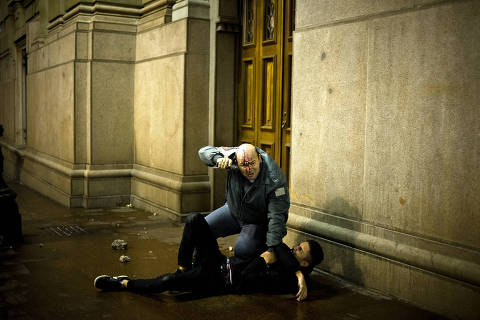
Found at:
<point>7,95</point>
<point>12,36</point>
<point>385,163</point>
<point>110,127</point>
<point>50,98</point>
<point>171,115</point>
<point>101,70</point>
<point>80,96</point>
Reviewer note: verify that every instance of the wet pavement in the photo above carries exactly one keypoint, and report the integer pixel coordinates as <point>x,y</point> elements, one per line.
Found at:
<point>51,275</point>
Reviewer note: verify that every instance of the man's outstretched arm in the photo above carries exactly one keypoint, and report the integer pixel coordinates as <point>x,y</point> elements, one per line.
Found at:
<point>211,155</point>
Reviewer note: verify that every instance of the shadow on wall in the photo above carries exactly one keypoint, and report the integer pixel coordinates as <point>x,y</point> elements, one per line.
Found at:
<point>341,253</point>
<point>333,227</point>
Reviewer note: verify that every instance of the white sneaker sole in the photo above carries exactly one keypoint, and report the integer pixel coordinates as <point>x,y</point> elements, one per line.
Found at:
<point>105,275</point>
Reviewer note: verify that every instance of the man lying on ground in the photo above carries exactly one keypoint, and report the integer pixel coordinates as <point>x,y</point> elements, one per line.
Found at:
<point>211,273</point>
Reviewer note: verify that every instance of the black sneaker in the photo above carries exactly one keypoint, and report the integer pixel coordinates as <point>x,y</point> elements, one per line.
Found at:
<point>107,283</point>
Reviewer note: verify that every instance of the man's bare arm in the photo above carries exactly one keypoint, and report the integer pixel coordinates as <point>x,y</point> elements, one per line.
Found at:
<point>302,286</point>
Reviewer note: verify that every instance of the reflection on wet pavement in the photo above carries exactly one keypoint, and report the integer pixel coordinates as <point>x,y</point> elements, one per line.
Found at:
<point>51,275</point>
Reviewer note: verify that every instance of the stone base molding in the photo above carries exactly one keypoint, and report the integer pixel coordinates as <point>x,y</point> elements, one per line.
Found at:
<point>429,255</point>
<point>410,267</point>
<point>168,193</point>
<point>101,186</point>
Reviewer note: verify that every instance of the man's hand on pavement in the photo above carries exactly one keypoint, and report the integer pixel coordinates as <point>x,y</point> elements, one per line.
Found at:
<point>269,257</point>
<point>302,286</point>
<point>224,163</point>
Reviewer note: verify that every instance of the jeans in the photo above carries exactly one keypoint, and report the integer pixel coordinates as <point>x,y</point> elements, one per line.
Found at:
<point>251,239</point>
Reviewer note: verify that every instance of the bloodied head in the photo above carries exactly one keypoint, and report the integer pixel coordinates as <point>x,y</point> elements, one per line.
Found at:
<point>248,161</point>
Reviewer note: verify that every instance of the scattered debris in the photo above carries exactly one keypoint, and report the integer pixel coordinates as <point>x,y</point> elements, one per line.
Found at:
<point>155,214</point>
<point>119,244</point>
<point>124,259</point>
<point>129,205</point>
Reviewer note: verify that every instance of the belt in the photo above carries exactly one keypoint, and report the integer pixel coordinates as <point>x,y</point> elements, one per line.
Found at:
<point>226,268</point>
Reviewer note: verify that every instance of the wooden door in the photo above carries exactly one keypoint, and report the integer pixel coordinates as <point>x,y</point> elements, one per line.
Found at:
<point>264,83</point>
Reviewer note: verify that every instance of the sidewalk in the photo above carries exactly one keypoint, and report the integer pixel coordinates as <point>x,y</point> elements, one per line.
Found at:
<point>51,275</point>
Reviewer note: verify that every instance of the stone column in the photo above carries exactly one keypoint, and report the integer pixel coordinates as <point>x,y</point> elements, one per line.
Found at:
<point>171,112</point>
<point>224,33</point>
<point>80,106</point>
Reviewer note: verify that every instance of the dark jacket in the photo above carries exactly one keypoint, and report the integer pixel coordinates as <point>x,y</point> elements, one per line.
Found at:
<point>265,202</point>
<point>256,276</point>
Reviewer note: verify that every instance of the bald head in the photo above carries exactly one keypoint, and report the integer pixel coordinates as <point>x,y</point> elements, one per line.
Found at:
<point>247,150</point>
<point>248,161</point>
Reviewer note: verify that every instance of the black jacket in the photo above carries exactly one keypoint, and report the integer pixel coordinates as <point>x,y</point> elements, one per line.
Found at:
<point>256,276</point>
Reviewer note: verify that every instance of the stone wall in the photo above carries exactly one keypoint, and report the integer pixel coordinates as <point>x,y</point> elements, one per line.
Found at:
<point>171,116</point>
<point>7,72</point>
<point>117,102</point>
<point>7,94</point>
<point>80,105</point>
<point>12,43</point>
<point>385,165</point>
<point>385,149</point>
<point>50,97</point>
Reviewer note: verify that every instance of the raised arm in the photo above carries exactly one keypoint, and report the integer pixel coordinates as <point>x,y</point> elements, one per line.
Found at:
<point>211,155</point>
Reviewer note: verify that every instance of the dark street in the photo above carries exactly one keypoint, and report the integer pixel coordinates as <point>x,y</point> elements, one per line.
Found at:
<point>51,275</point>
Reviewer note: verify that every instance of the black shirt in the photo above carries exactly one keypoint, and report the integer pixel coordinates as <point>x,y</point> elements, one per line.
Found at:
<point>256,276</point>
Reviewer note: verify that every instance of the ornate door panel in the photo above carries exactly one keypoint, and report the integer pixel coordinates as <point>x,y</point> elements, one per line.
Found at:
<point>287,86</point>
<point>264,82</point>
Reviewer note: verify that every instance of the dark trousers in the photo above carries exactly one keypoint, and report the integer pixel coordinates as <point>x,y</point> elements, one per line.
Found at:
<point>11,221</point>
<point>205,277</point>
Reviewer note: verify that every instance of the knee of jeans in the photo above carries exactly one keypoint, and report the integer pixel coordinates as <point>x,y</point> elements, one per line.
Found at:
<point>245,249</point>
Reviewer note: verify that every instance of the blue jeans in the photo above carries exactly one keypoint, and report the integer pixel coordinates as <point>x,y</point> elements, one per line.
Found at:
<point>251,239</point>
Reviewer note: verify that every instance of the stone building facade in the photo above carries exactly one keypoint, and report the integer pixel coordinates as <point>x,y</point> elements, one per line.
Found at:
<point>106,103</point>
